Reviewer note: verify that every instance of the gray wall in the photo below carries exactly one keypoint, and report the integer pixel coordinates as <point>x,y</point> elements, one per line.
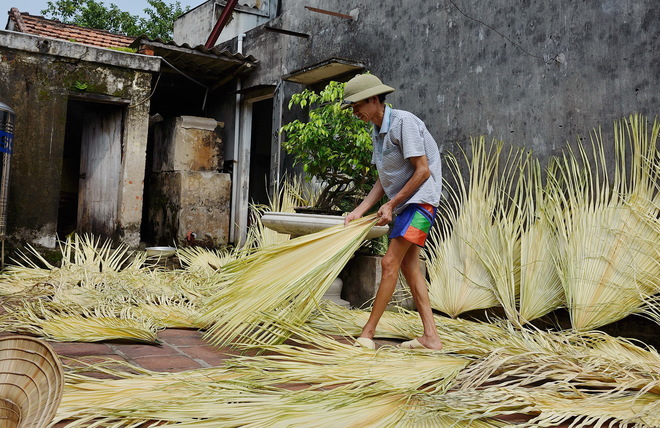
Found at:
<point>534,74</point>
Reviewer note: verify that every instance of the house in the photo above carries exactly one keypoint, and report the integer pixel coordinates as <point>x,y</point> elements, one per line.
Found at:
<point>112,133</point>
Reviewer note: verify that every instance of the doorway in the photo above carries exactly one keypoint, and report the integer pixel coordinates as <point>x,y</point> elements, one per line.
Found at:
<point>91,169</point>
<point>261,151</point>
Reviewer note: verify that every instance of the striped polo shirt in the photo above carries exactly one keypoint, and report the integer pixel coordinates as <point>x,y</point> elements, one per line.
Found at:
<point>403,135</point>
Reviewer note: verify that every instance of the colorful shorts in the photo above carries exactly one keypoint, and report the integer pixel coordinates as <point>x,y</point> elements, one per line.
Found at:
<point>414,223</point>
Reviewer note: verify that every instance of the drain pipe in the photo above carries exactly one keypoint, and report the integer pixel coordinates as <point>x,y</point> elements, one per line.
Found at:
<point>237,137</point>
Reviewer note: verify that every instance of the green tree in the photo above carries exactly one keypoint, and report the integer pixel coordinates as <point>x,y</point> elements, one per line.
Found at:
<point>333,145</point>
<point>159,22</point>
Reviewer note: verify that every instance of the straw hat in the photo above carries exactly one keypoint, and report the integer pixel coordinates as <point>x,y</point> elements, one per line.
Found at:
<point>31,382</point>
<point>362,87</point>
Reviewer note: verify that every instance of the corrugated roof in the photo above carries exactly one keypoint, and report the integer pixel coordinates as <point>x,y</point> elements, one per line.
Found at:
<point>198,61</point>
<point>39,26</point>
<point>198,58</point>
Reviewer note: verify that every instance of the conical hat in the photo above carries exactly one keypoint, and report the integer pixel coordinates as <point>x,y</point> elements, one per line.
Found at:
<point>31,382</point>
<point>362,87</point>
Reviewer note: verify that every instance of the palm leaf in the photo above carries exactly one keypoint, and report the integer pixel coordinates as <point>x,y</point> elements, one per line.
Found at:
<point>540,287</point>
<point>459,279</point>
<point>168,313</point>
<point>80,325</point>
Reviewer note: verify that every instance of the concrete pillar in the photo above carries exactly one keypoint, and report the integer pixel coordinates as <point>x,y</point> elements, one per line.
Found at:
<point>189,199</point>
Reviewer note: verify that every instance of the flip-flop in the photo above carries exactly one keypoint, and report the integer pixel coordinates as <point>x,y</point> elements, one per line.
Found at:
<point>414,344</point>
<point>365,342</point>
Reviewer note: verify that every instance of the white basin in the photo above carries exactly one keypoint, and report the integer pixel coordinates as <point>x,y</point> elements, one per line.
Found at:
<point>160,251</point>
<point>298,224</point>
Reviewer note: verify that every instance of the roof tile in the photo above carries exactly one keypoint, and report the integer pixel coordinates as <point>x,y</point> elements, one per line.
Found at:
<point>40,26</point>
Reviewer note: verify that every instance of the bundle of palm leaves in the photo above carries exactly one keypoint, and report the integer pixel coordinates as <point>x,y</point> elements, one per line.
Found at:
<point>583,240</point>
<point>459,278</point>
<point>280,282</point>
<point>608,260</point>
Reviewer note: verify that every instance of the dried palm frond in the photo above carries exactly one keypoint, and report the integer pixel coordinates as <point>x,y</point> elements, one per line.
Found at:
<point>77,325</point>
<point>104,401</point>
<point>540,287</point>
<point>294,192</point>
<point>85,264</point>
<point>354,406</point>
<point>459,336</point>
<point>88,252</point>
<point>231,403</point>
<point>574,375</point>
<point>546,407</point>
<point>332,319</point>
<point>217,397</point>
<point>317,361</point>
<point>175,284</point>
<point>286,281</point>
<point>628,410</point>
<point>206,397</point>
<point>501,253</point>
<point>459,279</point>
<point>205,259</point>
<point>608,250</point>
<point>612,357</point>
<point>259,235</point>
<point>122,288</point>
<point>291,194</point>
<point>166,312</point>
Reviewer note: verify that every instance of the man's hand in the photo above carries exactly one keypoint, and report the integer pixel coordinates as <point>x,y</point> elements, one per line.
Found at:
<point>350,217</point>
<point>384,214</point>
<point>374,196</point>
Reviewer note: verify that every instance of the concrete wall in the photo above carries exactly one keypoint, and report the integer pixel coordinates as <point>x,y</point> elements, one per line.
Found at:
<point>195,26</point>
<point>534,74</point>
<point>187,193</point>
<point>37,78</point>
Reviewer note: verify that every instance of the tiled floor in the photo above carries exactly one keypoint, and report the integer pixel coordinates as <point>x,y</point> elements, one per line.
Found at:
<point>178,350</point>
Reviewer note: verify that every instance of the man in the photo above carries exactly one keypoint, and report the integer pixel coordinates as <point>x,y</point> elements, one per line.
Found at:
<point>409,170</point>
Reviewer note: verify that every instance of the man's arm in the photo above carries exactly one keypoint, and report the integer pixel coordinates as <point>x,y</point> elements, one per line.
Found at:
<point>421,174</point>
<point>374,196</point>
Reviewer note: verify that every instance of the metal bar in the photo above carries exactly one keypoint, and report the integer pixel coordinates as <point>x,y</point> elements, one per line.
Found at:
<point>327,12</point>
<point>287,32</point>
<point>222,21</point>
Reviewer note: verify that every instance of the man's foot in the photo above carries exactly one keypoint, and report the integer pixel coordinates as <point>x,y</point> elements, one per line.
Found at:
<point>365,342</point>
<point>416,344</point>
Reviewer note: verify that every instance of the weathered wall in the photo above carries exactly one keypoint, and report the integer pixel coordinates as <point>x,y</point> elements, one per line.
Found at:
<point>187,193</point>
<point>37,77</point>
<point>535,74</point>
<point>195,26</point>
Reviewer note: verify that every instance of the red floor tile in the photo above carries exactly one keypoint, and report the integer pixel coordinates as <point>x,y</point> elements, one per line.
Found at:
<point>136,350</point>
<point>80,348</point>
<point>182,338</point>
<point>168,364</point>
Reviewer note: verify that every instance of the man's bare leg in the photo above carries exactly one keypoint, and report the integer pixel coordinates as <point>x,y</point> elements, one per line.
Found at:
<point>413,274</point>
<point>391,263</point>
